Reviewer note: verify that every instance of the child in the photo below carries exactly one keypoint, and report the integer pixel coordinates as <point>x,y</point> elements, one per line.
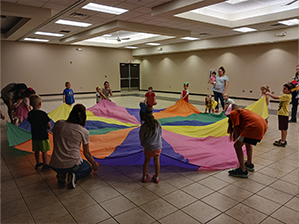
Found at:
<point>99,94</point>
<point>150,138</point>
<point>245,128</point>
<point>210,104</point>
<point>40,122</point>
<point>212,79</point>
<point>227,101</point>
<point>264,90</point>
<point>283,112</point>
<point>185,92</point>
<point>106,91</point>
<point>68,94</point>
<point>150,97</point>
<point>22,110</point>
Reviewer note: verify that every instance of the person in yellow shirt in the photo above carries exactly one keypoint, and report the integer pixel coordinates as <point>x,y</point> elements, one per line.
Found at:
<point>283,112</point>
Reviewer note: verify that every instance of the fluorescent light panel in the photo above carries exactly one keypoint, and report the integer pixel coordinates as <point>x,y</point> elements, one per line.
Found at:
<point>190,38</point>
<point>153,44</point>
<point>244,29</point>
<point>235,1</point>
<point>35,39</point>
<point>49,34</point>
<point>72,23</point>
<point>104,8</point>
<point>131,47</point>
<point>290,22</point>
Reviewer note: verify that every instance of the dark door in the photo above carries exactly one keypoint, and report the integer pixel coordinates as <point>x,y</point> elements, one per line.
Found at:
<point>129,76</point>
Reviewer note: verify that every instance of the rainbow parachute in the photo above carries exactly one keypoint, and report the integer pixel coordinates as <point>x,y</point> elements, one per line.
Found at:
<point>190,139</point>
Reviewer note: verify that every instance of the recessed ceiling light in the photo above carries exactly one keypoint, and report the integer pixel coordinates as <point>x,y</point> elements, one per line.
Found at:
<point>290,22</point>
<point>49,34</point>
<point>35,39</point>
<point>245,29</point>
<point>107,35</point>
<point>153,44</point>
<point>235,1</point>
<point>72,23</point>
<point>190,38</point>
<point>131,47</point>
<point>104,8</point>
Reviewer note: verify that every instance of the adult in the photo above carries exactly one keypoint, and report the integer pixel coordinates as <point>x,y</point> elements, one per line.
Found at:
<point>10,95</point>
<point>106,91</point>
<point>68,136</point>
<point>220,87</point>
<point>294,98</point>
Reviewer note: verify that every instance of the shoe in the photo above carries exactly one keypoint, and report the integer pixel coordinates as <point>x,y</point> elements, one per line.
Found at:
<point>144,180</point>
<point>249,167</point>
<point>61,178</point>
<point>216,111</point>
<point>280,143</point>
<point>292,121</point>
<point>38,165</point>
<point>156,179</point>
<point>45,167</point>
<point>71,180</point>
<point>238,173</point>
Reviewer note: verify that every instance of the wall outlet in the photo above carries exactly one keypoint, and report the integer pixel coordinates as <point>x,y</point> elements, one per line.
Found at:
<point>243,91</point>
<point>272,92</point>
<point>250,91</point>
<point>169,86</point>
<point>208,88</point>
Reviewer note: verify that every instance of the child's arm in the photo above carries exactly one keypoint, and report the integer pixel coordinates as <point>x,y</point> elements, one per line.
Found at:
<point>110,91</point>
<point>225,106</point>
<point>63,98</point>
<point>48,125</point>
<point>103,95</point>
<point>272,95</point>
<point>88,156</point>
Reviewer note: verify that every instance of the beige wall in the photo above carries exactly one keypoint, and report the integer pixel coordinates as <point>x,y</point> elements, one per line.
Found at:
<point>46,67</point>
<point>248,67</point>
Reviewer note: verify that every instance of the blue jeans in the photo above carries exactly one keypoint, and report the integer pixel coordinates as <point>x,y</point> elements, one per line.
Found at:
<point>80,171</point>
<point>218,96</point>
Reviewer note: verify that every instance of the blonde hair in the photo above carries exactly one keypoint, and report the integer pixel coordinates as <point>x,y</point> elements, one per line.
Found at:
<point>266,87</point>
<point>35,100</point>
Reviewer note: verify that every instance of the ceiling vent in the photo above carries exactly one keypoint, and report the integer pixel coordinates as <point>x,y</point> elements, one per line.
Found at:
<point>78,15</point>
<point>64,31</point>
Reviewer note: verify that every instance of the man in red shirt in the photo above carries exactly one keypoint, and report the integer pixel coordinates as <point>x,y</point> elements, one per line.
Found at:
<point>150,97</point>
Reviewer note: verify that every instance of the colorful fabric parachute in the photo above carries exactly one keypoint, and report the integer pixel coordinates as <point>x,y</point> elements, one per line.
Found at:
<point>190,139</point>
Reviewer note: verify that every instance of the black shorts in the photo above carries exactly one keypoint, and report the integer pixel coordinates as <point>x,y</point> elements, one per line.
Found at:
<point>250,141</point>
<point>283,122</point>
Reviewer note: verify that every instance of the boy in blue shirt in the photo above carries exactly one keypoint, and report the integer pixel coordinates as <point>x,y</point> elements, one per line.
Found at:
<point>68,94</point>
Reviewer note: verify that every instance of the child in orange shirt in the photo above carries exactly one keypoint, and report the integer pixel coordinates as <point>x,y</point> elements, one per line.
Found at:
<point>245,128</point>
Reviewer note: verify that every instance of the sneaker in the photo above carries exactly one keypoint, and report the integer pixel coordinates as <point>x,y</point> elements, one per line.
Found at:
<point>45,167</point>
<point>249,167</point>
<point>156,179</point>
<point>238,173</point>
<point>71,180</point>
<point>61,178</point>
<point>216,111</point>
<point>280,143</point>
<point>292,121</point>
<point>144,180</point>
<point>38,165</point>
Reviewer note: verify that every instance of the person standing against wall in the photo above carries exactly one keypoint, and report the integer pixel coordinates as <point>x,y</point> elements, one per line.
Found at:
<point>220,87</point>
<point>294,99</point>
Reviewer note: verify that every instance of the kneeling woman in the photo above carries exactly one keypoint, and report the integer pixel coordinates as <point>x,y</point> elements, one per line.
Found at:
<point>68,136</point>
<point>245,128</point>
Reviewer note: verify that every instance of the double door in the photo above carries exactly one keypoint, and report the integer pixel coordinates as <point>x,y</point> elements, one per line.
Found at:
<point>129,76</point>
